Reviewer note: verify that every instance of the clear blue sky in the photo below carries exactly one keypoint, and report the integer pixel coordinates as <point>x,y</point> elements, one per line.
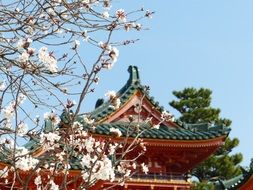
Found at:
<point>195,43</point>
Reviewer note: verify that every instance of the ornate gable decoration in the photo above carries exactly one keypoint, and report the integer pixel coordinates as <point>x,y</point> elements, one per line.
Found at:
<point>135,105</point>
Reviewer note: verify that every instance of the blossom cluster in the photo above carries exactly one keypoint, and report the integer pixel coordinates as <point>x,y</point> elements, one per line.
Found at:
<point>25,161</point>
<point>48,59</point>
<point>115,132</point>
<point>88,120</point>
<point>9,112</point>
<point>39,184</point>
<point>52,116</point>
<point>114,100</point>
<point>113,54</point>
<point>102,169</point>
<point>166,116</point>
<point>45,57</point>
<point>95,157</point>
<point>50,139</point>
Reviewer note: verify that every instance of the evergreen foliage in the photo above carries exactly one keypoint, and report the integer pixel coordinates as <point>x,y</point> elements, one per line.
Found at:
<point>195,107</point>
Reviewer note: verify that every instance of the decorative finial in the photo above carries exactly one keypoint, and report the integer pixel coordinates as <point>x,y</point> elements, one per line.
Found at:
<point>134,74</point>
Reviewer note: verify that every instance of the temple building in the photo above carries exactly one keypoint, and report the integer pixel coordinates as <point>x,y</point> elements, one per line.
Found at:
<point>172,151</point>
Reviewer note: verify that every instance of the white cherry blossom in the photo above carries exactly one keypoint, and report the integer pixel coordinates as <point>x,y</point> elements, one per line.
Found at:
<point>49,138</point>
<point>22,129</point>
<point>48,59</point>
<point>144,168</point>
<point>111,94</point>
<point>88,120</point>
<point>116,132</point>
<point>25,161</point>
<point>121,15</point>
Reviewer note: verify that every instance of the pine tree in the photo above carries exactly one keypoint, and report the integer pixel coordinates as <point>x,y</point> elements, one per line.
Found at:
<point>195,107</point>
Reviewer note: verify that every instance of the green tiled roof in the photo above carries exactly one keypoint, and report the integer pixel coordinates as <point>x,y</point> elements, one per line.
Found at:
<point>163,132</point>
<point>187,132</point>
<point>236,182</point>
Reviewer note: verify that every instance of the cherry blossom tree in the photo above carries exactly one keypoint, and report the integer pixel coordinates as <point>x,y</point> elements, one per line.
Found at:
<point>52,52</point>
